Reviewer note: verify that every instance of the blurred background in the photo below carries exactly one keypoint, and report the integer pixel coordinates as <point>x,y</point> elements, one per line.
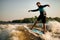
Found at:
<point>18,9</point>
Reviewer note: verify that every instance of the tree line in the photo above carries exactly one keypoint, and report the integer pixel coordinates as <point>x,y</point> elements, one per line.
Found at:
<point>30,20</point>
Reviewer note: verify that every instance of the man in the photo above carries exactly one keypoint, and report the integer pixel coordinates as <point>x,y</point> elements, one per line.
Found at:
<point>42,15</point>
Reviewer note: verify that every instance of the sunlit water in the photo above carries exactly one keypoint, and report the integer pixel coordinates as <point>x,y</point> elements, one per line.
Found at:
<point>6,30</point>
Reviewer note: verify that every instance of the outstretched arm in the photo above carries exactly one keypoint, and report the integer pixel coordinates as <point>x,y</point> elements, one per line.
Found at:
<point>46,5</point>
<point>33,10</point>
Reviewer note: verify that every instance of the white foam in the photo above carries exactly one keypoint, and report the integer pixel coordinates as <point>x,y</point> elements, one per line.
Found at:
<point>54,26</point>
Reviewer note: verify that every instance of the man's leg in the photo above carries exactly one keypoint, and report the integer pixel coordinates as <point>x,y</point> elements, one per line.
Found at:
<point>36,21</point>
<point>44,28</point>
<point>34,24</point>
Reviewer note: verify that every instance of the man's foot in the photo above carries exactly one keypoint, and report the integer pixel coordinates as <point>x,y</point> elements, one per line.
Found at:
<point>31,28</point>
<point>44,32</point>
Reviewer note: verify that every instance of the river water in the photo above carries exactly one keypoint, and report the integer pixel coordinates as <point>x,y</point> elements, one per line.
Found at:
<point>6,30</point>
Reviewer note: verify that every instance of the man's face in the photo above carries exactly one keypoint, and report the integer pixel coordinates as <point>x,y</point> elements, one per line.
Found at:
<point>38,4</point>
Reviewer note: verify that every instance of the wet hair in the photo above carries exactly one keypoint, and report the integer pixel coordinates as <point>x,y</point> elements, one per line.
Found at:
<point>38,3</point>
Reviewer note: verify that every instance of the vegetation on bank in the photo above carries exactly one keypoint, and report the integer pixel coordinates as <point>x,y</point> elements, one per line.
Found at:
<point>30,20</point>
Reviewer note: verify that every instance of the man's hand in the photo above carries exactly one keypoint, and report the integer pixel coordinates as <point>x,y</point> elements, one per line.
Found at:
<point>48,5</point>
<point>29,10</point>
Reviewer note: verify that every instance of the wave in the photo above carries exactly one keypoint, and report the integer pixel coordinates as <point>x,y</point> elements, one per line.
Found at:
<point>20,32</point>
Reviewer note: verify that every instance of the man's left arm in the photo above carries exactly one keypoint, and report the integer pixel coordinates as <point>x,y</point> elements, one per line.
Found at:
<point>46,5</point>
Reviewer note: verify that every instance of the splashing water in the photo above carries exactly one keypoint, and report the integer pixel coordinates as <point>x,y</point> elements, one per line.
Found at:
<point>54,26</point>
<point>14,32</point>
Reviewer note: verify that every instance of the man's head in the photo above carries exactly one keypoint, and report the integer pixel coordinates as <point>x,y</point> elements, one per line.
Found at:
<point>38,4</point>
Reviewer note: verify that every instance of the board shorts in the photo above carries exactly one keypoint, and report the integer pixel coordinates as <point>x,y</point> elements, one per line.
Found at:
<point>42,18</point>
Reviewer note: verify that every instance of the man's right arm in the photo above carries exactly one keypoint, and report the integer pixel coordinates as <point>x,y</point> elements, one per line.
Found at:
<point>33,10</point>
